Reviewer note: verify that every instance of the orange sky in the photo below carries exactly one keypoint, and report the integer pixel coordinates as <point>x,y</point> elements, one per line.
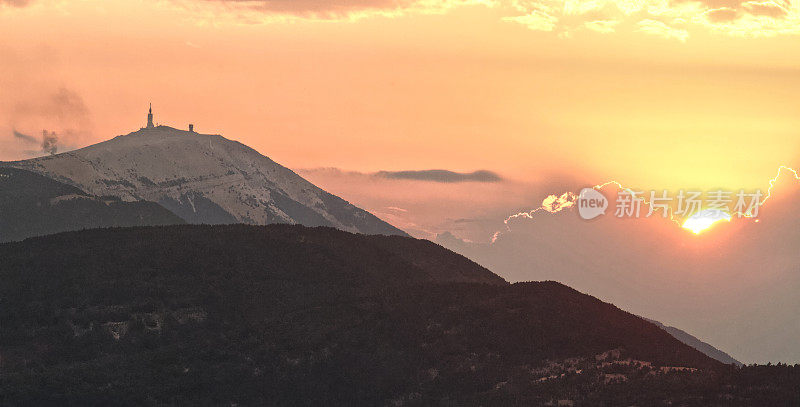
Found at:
<point>369,86</point>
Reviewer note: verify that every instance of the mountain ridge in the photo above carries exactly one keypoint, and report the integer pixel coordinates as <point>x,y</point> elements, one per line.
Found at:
<point>204,179</point>
<point>34,205</point>
<point>696,343</point>
<point>288,315</point>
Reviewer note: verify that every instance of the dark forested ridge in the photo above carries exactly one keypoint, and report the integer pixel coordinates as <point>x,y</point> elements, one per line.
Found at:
<point>34,205</point>
<point>289,315</point>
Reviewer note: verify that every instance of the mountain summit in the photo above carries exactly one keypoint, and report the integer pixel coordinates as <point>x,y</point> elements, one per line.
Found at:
<point>203,178</point>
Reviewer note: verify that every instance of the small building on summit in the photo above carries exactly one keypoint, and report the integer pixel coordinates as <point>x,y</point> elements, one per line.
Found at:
<point>151,125</point>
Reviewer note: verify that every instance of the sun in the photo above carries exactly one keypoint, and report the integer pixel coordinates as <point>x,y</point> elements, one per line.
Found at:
<point>704,219</point>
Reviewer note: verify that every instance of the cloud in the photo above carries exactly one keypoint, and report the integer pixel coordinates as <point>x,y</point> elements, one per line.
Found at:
<point>766,8</point>
<point>469,220</point>
<point>62,109</point>
<point>316,8</point>
<point>29,110</point>
<point>602,26</point>
<point>14,3</point>
<point>331,172</point>
<point>536,20</point>
<point>48,143</point>
<point>662,30</point>
<point>443,176</point>
<point>268,11</point>
<point>24,137</point>
<point>63,103</point>
<point>669,19</point>
<point>35,97</point>
<point>722,15</point>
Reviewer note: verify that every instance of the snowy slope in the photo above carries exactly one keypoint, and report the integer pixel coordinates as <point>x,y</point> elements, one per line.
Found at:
<point>203,179</point>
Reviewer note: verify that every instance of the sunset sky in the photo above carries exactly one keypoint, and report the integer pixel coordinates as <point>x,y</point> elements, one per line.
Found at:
<point>545,95</point>
<point>654,93</point>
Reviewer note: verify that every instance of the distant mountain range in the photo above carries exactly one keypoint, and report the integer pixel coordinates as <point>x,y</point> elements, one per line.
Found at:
<point>289,315</point>
<point>202,179</point>
<point>692,341</point>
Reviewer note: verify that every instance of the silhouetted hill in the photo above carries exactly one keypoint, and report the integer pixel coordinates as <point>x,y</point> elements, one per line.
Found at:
<point>34,205</point>
<point>289,315</point>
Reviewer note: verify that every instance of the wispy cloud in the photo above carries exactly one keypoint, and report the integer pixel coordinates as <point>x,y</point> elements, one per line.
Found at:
<point>267,11</point>
<point>396,209</point>
<point>662,30</point>
<point>671,19</point>
<point>535,20</point>
<point>444,176</point>
<point>602,26</point>
<point>441,176</point>
<point>24,137</point>
<point>55,119</point>
<point>14,3</point>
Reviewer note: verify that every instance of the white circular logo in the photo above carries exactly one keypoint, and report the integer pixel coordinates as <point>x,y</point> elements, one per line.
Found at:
<point>591,203</point>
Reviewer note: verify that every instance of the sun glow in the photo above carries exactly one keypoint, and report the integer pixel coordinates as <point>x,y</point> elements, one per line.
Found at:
<point>704,219</point>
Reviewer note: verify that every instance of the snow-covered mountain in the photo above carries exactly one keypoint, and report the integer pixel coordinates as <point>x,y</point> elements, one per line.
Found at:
<point>203,179</point>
